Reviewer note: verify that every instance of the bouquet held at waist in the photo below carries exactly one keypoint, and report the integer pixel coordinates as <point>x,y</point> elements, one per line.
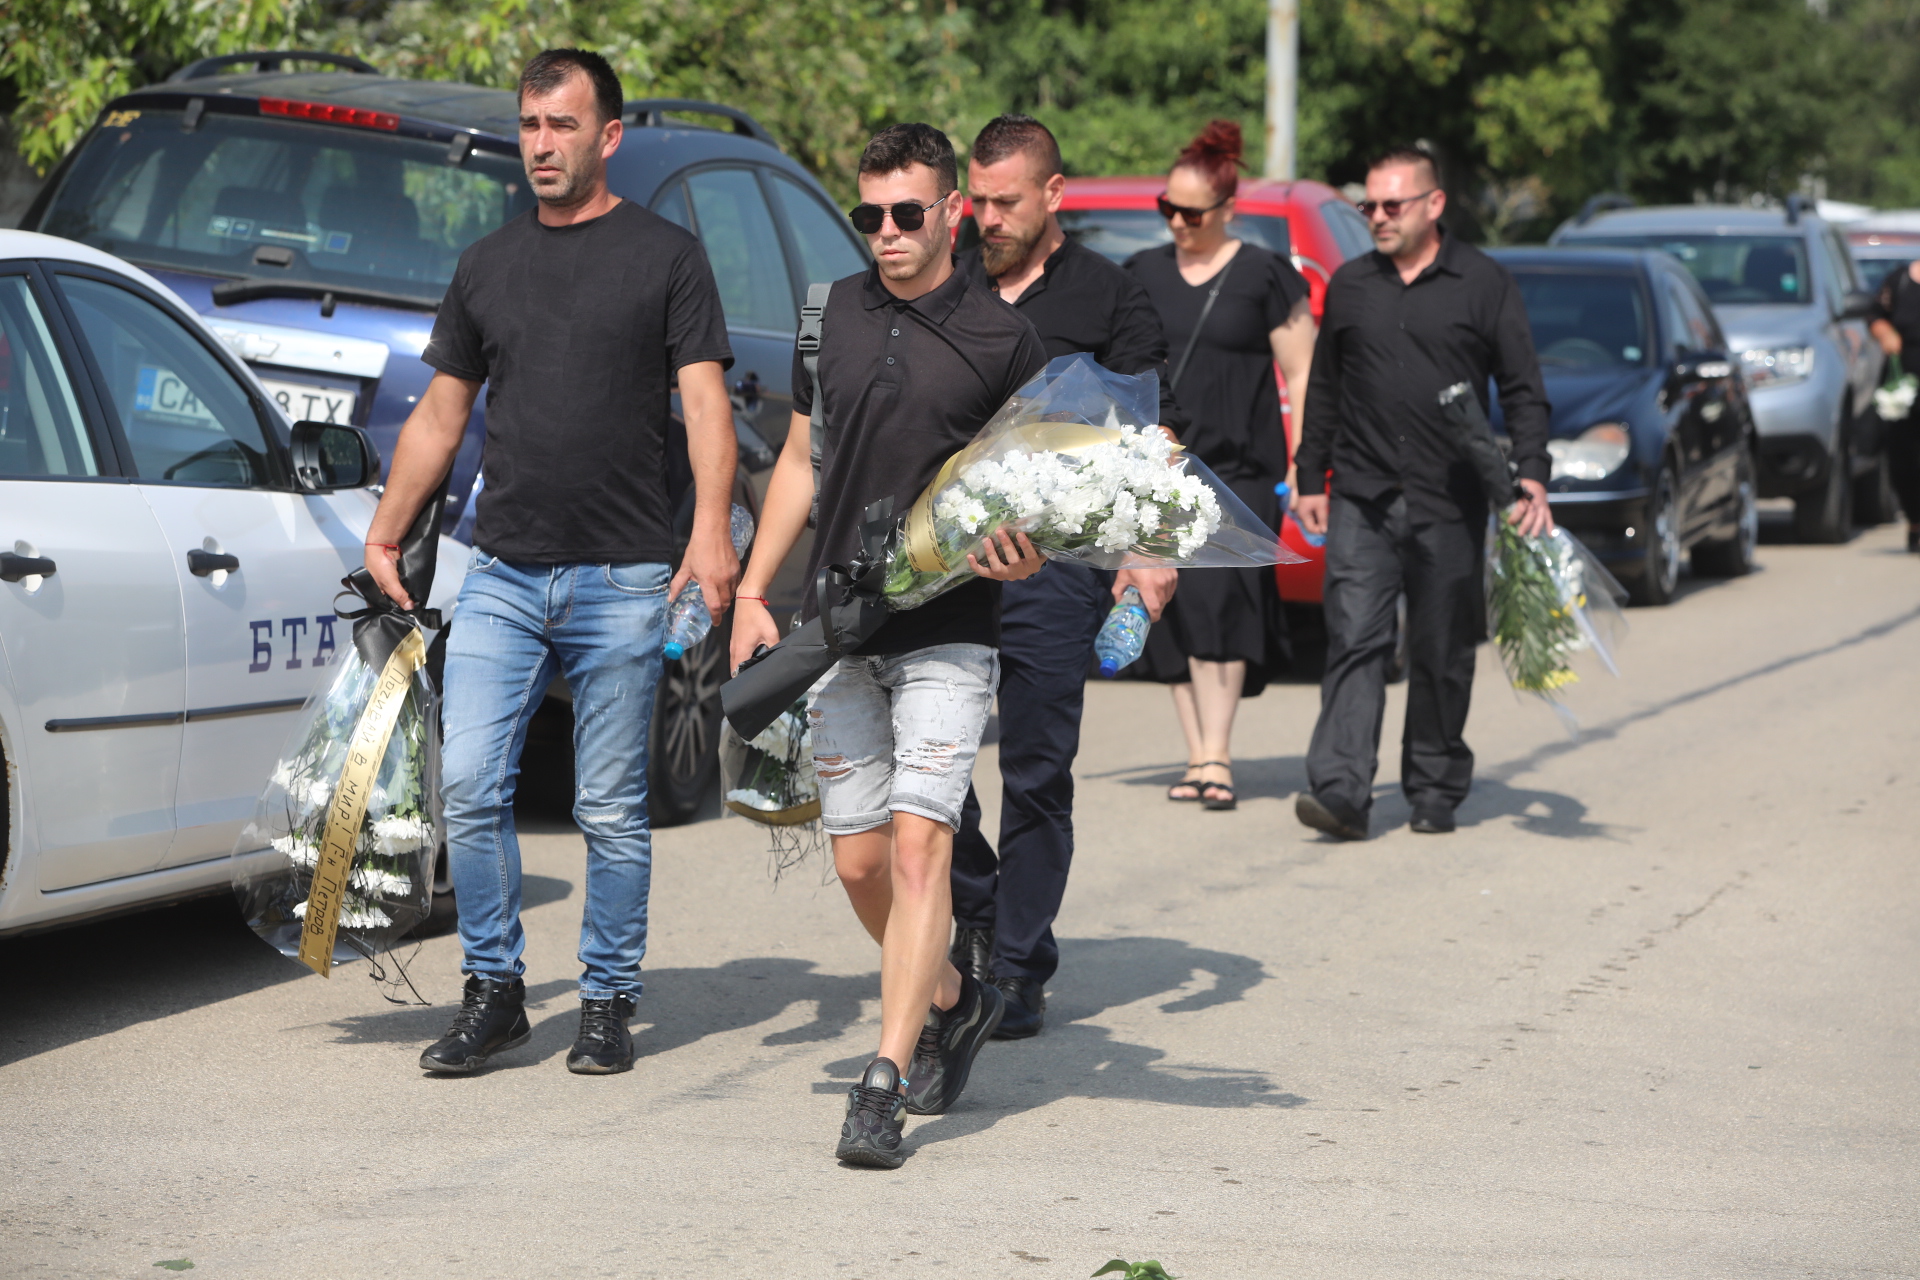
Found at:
<point>1075,462</point>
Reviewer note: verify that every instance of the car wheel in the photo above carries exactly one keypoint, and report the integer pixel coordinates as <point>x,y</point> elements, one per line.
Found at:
<point>1660,563</point>
<point>1874,501</point>
<point>683,752</point>
<point>1733,557</point>
<point>1826,515</point>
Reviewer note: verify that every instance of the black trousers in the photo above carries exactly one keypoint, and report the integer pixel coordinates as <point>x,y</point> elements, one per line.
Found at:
<point>1903,462</point>
<point>1373,554</point>
<point>1047,627</point>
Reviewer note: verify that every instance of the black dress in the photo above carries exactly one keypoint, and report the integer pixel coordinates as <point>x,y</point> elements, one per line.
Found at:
<point>1229,393</point>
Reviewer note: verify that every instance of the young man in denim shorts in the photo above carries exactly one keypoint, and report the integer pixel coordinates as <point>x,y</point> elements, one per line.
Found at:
<point>913,361</point>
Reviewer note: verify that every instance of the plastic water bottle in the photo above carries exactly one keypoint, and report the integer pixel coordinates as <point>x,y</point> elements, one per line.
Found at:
<point>688,619</point>
<point>1285,494</point>
<point>1123,635</point>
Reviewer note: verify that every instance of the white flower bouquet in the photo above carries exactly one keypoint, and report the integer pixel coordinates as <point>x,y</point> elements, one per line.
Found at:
<point>1075,462</point>
<point>770,779</point>
<point>1894,401</point>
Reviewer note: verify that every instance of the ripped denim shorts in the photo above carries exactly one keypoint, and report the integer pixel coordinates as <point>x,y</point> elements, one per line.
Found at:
<point>898,733</point>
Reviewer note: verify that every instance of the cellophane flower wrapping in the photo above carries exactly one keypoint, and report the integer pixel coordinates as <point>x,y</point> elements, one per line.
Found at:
<point>1549,600</point>
<point>771,778</point>
<point>1076,463</point>
<point>1894,401</point>
<point>390,887</point>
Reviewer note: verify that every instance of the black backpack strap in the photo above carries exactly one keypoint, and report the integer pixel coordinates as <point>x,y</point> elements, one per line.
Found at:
<point>809,344</point>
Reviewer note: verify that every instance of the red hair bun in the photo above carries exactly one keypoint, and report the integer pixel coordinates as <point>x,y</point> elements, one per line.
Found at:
<point>1216,154</point>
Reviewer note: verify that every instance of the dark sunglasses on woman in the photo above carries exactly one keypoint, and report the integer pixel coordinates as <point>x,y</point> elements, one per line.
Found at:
<point>908,215</point>
<point>1168,210</point>
<point>1391,208</point>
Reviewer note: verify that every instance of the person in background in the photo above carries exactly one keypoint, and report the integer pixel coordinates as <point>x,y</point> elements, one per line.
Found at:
<point>1896,326</point>
<point>914,359</point>
<point>1004,907</point>
<point>577,317</point>
<point>1231,310</point>
<point>1406,513</point>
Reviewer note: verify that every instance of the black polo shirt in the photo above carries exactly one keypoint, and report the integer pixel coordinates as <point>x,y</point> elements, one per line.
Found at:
<point>907,385</point>
<point>1084,302</point>
<point>1385,352</point>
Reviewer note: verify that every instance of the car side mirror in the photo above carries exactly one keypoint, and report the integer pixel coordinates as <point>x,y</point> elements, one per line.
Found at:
<point>1858,305</point>
<point>328,456</point>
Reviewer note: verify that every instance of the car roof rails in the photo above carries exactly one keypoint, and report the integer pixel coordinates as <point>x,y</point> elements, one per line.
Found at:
<point>1797,205</point>
<point>1600,204</point>
<point>648,113</point>
<point>270,60</point>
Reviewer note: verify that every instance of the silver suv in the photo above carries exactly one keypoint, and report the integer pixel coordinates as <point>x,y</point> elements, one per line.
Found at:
<point>1787,293</point>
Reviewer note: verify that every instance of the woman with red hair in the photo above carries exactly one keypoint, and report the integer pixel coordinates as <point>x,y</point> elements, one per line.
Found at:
<point>1231,310</point>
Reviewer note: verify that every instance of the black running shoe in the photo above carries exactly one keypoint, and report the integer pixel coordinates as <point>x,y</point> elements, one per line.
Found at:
<point>605,1046</point>
<point>973,953</point>
<point>876,1114</point>
<point>948,1043</point>
<point>492,1017</point>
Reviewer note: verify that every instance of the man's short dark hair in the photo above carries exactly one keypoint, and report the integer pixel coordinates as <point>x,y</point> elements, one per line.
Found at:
<point>1013,134</point>
<point>899,145</point>
<point>1408,154</point>
<point>551,68</point>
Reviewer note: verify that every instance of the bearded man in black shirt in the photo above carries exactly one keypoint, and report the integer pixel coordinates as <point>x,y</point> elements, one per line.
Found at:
<point>578,318</point>
<point>1077,300</point>
<point>1406,514</point>
<point>914,359</point>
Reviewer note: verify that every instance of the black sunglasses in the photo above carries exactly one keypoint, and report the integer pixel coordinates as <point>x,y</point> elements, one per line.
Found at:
<point>908,215</point>
<point>1391,208</point>
<point>1168,210</point>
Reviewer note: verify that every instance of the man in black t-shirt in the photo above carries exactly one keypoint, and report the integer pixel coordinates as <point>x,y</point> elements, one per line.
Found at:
<point>1004,906</point>
<point>578,318</point>
<point>914,359</point>
<point>1896,326</point>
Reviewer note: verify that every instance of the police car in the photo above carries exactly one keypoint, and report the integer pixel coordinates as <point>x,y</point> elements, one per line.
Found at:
<point>170,545</point>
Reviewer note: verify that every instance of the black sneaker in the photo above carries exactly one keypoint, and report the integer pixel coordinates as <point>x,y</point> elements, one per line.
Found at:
<point>1434,820</point>
<point>1026,1008</point>
<point>605,1046</point>
<point>948,1043</point>
<point>492,1017</point>
<point>973,953</point>
<point>1330,816</point>
<point>876,1114</point>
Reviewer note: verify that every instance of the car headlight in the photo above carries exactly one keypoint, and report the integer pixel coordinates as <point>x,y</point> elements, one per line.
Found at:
<point>1594,454</point>
<point>1777,366</point>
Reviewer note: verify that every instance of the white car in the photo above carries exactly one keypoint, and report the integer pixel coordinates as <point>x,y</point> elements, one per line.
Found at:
<point>166,585</point>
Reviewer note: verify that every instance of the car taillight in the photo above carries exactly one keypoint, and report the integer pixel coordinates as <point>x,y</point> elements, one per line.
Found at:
<point>327,113</point>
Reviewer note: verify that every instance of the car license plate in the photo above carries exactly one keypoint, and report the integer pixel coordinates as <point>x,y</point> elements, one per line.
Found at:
<point>303,401</point>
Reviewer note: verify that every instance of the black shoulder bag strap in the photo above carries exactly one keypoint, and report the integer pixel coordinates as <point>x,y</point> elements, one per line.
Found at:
<point>809,344</point>
<point>1213,295</point>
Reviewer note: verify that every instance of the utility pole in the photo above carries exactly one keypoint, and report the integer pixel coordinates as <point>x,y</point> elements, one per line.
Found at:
<point>1283,85</point>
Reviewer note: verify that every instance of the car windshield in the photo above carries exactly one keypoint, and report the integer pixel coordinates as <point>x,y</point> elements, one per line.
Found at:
<point>284,200</point>
<point>1878,263</point>
<point>1586,321</point>
<point>1734,270</point>
<point>1120,233</point>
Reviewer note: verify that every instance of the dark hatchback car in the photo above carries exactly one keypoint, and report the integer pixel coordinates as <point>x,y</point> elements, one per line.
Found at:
<point>315,220</point>
<point>1652,437</point>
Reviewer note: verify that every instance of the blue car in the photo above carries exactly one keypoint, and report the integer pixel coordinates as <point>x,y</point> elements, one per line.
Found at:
<point>315,219</point>
<point>1653,442</point>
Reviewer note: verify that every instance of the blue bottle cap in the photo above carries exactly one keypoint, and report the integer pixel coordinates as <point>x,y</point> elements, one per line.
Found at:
<point>674,650</point>
<point>1109,668</point>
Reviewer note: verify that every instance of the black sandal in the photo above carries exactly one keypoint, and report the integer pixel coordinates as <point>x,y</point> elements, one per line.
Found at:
<point>1225,797</point>
<point>1195,783</point>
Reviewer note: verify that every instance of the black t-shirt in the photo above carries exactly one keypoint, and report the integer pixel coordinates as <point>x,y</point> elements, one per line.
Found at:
<point>578,331</point>
<point>906,385</point>
<point>1898,303</point>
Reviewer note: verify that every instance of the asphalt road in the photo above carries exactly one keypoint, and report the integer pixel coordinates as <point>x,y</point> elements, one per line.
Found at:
<point>1649,1013</point>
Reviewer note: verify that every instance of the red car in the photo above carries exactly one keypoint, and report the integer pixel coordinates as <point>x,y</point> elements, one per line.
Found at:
<point>1310,222</point>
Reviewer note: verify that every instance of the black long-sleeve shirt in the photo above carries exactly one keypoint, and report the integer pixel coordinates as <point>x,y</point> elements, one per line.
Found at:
<point>1386,351</point>
<point>1083,302</point>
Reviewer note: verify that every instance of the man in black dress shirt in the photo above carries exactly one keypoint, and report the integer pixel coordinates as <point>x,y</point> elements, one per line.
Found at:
<point>1004,907</point>
<point>1406,513</point>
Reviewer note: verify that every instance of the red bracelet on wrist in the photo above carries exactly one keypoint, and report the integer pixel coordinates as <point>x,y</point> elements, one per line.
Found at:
<point>390,546</point>
<point>761,599</point>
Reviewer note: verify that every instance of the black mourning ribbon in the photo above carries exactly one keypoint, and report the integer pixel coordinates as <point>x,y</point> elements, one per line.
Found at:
<point>1473,436</point>
<point>851,610</point>
<point>379,628</point>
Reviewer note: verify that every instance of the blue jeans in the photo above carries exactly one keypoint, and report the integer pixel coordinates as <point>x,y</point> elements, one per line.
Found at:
<point>602,626</point>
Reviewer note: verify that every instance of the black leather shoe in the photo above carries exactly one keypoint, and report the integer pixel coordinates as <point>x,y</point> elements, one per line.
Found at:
<point>492,1017</point>
<point>1432,821</point>
<point>1330,816</point>
<point>973,953</point>
<point>1026,1008</point>
<point>948,1043</point>
<point>605,1046</point>
<point>876,1116</point>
